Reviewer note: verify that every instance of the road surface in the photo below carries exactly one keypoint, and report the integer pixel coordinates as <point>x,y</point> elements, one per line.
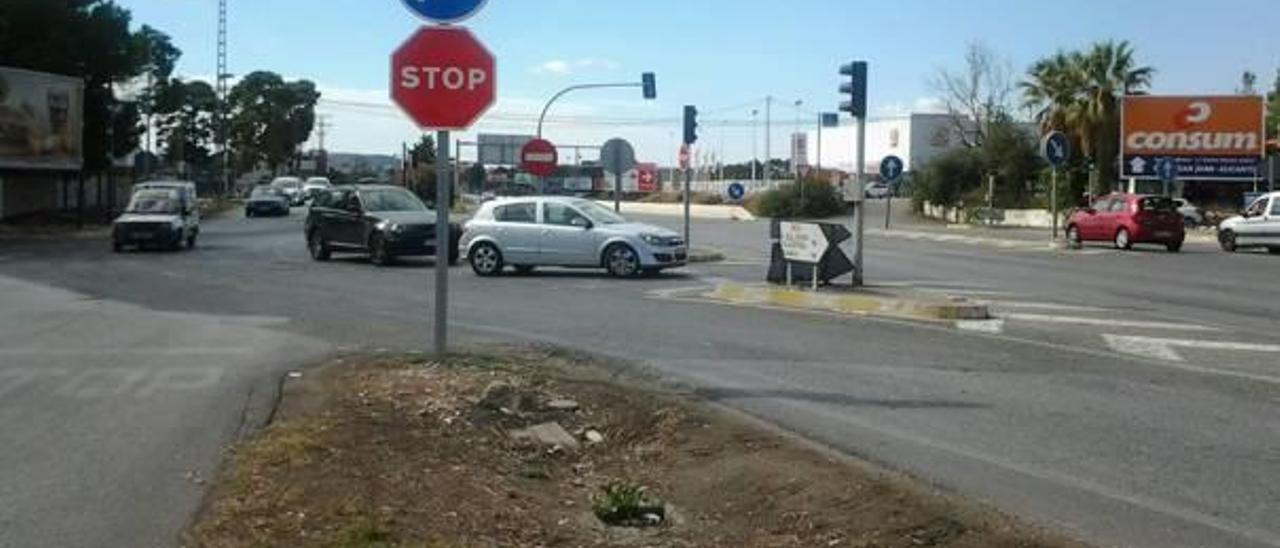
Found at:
<point>1116,397</point>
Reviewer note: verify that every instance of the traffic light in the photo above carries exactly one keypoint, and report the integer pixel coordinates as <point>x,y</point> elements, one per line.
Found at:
<point>855,89</point>
<point>690,125</point>
<point>650,84</point>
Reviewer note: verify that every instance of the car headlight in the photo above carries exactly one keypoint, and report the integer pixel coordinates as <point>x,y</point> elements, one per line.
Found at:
<point>652,239</point>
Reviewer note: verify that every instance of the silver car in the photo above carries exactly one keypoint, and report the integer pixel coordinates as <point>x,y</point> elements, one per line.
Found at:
<point>571,232</point>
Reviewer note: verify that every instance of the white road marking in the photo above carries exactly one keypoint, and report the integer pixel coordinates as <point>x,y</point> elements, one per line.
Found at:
<point>1164,349</point>
<point>981,326</point>
<point>1106,322</point>
<point>1042,306</point>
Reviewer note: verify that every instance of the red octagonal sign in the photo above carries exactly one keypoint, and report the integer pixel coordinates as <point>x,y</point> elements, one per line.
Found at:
<point>443,78</point>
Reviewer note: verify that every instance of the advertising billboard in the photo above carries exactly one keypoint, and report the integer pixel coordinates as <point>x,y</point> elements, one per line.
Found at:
<point>41,120</point>
<point>500,149</point>
<point>1209,138</point>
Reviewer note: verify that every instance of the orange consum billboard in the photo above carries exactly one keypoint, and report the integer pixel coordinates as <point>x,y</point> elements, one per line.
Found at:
<point>1209,138</point>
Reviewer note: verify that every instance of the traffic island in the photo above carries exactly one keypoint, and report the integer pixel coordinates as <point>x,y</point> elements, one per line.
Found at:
<point>890,302</point>
<point>534,447</point>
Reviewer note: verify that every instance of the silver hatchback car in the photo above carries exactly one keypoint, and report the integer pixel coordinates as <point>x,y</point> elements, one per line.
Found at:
<point>525,233</point>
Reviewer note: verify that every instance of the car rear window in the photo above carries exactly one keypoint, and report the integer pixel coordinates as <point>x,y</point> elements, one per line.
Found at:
<point>1156,203</point>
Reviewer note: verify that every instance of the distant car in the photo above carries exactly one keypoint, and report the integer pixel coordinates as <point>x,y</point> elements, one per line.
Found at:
<point>313,186</point>
<point>876,191</point>
<point>292,187</point>
<point>160,216</point>
<point>570,232</point>
<point>1259,226</point>
<point>383,221</point>
<point>1128,219</point>
<point>1192,216</point>
<point>266,200</point>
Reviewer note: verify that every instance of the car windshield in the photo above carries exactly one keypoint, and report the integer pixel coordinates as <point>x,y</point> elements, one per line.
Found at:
<point>391,200</point>
<point>154,202</point>
<point>598,213</point>
<point>265,192</point>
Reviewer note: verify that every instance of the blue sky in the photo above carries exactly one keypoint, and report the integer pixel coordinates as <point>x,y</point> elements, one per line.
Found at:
<point>724,56</point>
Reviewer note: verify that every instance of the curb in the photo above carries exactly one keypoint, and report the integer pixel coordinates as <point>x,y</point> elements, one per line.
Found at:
<point>933,309</point>
<point>704,256</point>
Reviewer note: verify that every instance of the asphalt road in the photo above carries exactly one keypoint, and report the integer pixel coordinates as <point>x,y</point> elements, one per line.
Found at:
<point>1110,399</point>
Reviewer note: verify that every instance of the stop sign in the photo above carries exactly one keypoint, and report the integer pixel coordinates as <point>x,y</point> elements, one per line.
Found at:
<point>539,157</point>
<point>443,78</point>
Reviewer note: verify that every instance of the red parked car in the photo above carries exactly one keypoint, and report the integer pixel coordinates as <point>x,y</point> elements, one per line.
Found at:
<point>1127,219</point>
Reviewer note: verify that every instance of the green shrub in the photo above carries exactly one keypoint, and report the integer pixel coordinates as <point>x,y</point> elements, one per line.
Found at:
<point>820,200</point>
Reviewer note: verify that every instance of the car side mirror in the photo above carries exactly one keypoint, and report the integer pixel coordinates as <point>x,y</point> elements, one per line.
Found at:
<point>581,223</point>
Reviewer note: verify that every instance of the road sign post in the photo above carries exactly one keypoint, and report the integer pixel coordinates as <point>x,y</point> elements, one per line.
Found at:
<point>444,79</point>
<point>617,157</point>
<point>1056,150</point>
<point>891,169</point>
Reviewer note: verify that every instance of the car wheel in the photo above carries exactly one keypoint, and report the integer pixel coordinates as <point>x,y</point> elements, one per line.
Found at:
<point>1073,237</point>
<point>378,252</point>
<point>1227,239</point>
<point>1174,247</point>
<point>455,255</point>
<point>622,261</point>
<point>248,214</point>
<point>524,269</point>
<point>1122,240</point>
<point>486,260</point>
<point>117,247</point>
<point>317,246</point>
<point>1273,250</point>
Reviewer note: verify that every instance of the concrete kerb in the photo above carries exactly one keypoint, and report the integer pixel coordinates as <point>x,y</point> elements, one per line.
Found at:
<point>886,302</point>
<point>698,211</point>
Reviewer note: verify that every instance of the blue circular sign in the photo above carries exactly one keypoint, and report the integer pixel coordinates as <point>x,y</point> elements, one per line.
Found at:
<point>1056,148</point>
<point>891,168</point>
<point>444,11</point>
<point>737,191</point>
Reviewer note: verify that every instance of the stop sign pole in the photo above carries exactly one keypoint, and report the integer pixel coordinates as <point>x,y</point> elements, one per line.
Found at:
<point>443,78</point>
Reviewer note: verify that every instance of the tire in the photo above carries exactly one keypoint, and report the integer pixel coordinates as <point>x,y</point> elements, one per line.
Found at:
<point>1122,239</point>
<point>1173,247</point>
<point>117,247</point>
<point>317,247</point>
<point>486,259</point>
<point>524,269</point>
<point>455,255</point>
<point>1227,239</point>
<point>1273,250</point>
<point>622,261</point>
<point>1073,238</point>
<point>378,252</point>
<point>248,214</point>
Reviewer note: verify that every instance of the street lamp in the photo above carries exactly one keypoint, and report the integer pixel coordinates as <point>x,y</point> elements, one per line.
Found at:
<point>795,144</point>
<point>755,142</point>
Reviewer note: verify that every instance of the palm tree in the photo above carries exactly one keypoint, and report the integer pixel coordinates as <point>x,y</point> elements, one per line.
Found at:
<point>1079,93</point>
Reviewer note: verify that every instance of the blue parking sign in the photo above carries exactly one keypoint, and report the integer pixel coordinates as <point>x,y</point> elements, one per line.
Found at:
<point>444,11</point>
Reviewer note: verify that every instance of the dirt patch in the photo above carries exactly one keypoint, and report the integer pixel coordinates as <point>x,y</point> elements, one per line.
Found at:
<point>405,452</point>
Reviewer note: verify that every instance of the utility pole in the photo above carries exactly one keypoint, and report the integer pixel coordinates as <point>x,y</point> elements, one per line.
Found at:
<point>755,143</point>
<point>768,139</point>
<point>321,128</point>
<point>224,127</point>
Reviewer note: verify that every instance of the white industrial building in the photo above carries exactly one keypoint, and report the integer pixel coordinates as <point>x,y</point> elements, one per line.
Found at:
<point>916,138</point>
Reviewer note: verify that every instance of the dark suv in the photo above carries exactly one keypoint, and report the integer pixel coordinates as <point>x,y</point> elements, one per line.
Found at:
<point>384,221</point>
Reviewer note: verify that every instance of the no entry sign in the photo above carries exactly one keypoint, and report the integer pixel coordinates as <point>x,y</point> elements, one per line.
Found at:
<point>539,157</point>
<point>443,78</point>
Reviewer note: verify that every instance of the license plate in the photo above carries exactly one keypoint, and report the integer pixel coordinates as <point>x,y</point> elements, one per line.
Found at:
<point>1164,234</point>
<point>143,235</point>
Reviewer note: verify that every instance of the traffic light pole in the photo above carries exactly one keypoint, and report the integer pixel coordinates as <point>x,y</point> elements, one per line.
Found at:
<point>564,91</point>
<point>443,186</point>
<point>859,206</point>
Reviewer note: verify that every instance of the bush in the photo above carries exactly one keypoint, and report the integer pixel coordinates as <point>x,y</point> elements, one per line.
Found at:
<point>821,200</point>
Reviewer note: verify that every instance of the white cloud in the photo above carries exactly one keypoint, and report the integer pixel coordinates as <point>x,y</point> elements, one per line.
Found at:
<point>561,67</point>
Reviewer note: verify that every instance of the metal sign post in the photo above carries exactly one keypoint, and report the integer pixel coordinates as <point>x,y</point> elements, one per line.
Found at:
<point>443,186</point>
<point>891,168</point>
<point>617,157</point>
<point>859,207</point>
<point>688,182</point>
<point>1056,149</point>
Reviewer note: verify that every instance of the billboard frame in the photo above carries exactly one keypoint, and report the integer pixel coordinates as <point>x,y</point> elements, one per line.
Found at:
<point>72,163</point>
<point>1262,158</point>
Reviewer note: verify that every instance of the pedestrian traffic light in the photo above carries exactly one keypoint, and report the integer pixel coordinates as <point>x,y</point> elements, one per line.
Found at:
<point>690,125</point>
<point>855,89</point>
<point>650,84</point>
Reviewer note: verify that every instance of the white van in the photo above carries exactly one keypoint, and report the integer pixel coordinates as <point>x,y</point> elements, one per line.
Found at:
<point>163,214</point>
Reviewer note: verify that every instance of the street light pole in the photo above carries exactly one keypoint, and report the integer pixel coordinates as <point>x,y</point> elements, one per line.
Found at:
<point>755,144</point>
<point>768,139</point>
